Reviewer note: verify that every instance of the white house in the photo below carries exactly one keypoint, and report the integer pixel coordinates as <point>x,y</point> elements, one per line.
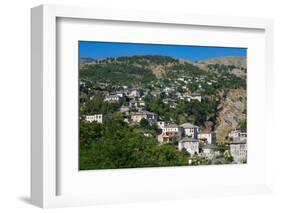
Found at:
<point>137,104</point>
<point>209,151</point>
<point>238,150</point>
<point>190,130</point>
<point>100,118</point>
<point>191,145</point>
<point>238,134</point>
<point>168,90</point>
<point>169,132</point>
<point>208,137</point>
<point>171,128</point>
<point>161,124</point>
<point>196,96</point>
<point>121,94</point>
<point>112,98</point>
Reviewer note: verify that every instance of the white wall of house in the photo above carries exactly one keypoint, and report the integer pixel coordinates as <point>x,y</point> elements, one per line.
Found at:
<point>137,117</point>
<point>161,124</point>
<point>209,137</point>
<point>239,152</point>
<point>191,132</point>
<point>171,129</point>
<point>190,146</point>
<point>238,134</point>
<point>112,98</point>
<point>97,117</point>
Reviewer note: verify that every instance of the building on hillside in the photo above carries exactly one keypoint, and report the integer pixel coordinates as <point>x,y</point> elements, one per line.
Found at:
<point>190,130</point>
<point>135,93</point>
<point>238,134</point>
<point>169,101</point>
<point>209,151</point>
<point>112,98</point>
<point>168,90</point>
<point>238,150</point>
<point>191,145</point>
<point>169,133</point>
<point>155,93</point>
<point>99,118</point>
<point>161,124</point>
<point>149,116</point>
<point>171,128</point>
<point>125,109</point>
<point>196,96</point>
<point>133,104</point>
<point>208,137</point>
<point>121,94</point>
<point>82,83</point>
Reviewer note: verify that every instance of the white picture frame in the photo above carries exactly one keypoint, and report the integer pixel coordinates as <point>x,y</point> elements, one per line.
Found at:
<point>44,154</point>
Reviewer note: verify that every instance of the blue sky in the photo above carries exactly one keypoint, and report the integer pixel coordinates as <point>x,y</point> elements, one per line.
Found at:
<point>98,50</point>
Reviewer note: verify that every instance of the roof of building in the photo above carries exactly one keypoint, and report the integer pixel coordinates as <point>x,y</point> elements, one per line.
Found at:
<point>171,126</point>
<point>188,125</point>
<point>124,107</point>
<point>196,94</point>
<point>112,96</point>
<point>143,112</point>
<point>241,141</point>
<point>187,139</point>
<point>239,130</point>
<point>209,146</point>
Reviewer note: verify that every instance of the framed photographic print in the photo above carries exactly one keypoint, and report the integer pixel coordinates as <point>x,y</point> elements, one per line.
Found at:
<point>149,106</point>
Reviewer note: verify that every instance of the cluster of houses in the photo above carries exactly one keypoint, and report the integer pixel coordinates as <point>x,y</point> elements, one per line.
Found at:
<point>186,136</point>
<point>171,91</point>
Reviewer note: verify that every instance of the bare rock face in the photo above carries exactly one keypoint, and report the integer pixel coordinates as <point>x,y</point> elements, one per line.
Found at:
<point>232,110</point>
<point>239,73</point>
<point>159,70</point>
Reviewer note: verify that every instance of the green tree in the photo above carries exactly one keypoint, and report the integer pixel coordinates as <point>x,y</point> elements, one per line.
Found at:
<point>144,123</point>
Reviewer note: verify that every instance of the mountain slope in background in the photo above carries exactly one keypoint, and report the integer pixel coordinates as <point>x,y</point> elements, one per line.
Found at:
<point>230,60</point>
<point>234,65</point>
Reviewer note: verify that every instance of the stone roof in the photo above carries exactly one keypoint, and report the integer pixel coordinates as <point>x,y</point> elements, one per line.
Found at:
<point>210,146</point>
<point>171,126</point>
<point>242,141</point>
<point>143,112</point>
<point>187,139</point>
<point>188,125</point>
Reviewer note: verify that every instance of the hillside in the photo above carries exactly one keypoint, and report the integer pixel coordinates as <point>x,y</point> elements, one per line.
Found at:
<point>221,83</point>
<point>128,70</point>
<point>139,69</point>
<point>231,60</point>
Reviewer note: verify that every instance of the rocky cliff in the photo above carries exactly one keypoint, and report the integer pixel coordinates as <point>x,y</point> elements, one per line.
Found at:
<point>231,111</point>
